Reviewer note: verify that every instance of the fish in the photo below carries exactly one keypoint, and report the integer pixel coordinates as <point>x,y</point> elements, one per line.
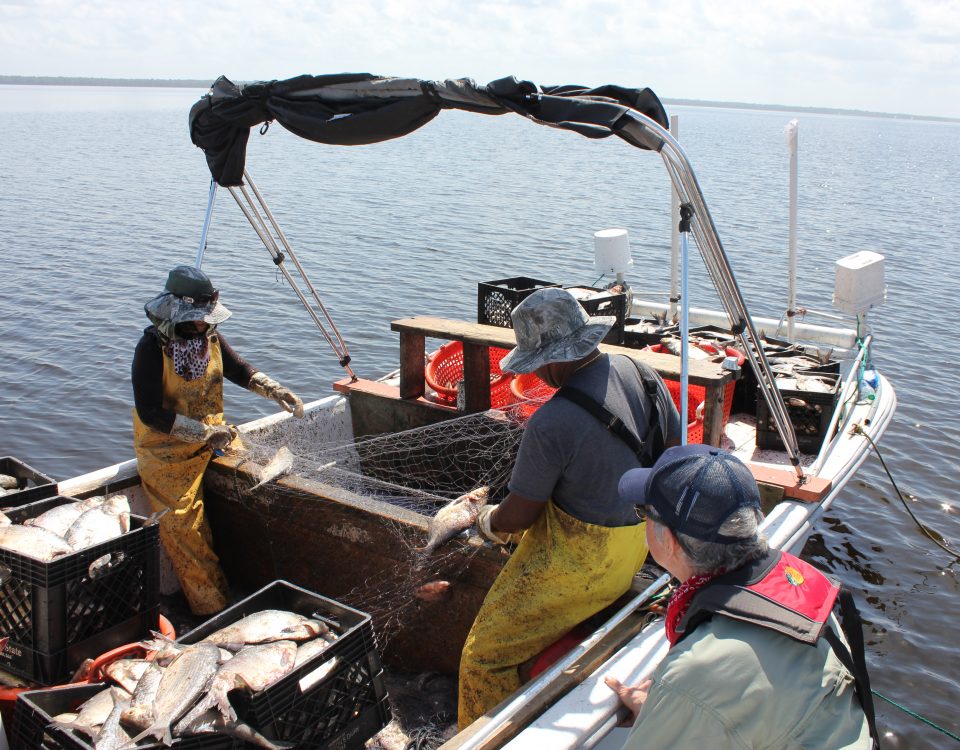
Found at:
<point>127,672</point>
<point>672,345</point>
<point>8,482</point>
<point>111,735</point>
<point>306,651</point>
<point>91,714</point>
<point>267,626</point>
<point>211,721</point>
<point>435,591</point>
<point>34,542</point>
<point>100,524</point>
<point>182,684</point>
<point>58,520</point>
<point>278,465</point>
<point>139,715</point>
<point>253,669</point>
<point>455,517</point>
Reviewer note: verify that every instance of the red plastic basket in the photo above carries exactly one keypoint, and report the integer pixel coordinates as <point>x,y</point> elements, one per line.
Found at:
<point>445,370</point>
<point>530,391</point>
<point>697,393</point>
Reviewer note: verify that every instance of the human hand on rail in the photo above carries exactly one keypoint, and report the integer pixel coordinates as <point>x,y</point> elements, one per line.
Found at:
<point>632,698</point>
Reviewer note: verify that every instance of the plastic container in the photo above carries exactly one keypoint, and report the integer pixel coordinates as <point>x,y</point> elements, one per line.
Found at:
<point>496,299</point>
<point>31,484</point>
<point>445,370</point>
<point>9,695</point>
<point>810,414</point>
<point>602,302</point>
<point>342,709</point>
<point>530,393</point>
<point>61,612</point>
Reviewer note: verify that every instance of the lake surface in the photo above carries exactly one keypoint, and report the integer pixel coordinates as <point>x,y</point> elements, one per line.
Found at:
<point>101,193</point>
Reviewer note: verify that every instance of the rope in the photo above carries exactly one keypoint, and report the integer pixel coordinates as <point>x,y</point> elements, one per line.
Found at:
<point>915,715</point>
<point>858,430</point>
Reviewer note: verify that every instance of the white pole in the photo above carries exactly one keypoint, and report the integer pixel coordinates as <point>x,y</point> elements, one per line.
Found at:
<point>791,133</point>
<point>684,231</point>
<point>206,223</point>
<point>675,231</point>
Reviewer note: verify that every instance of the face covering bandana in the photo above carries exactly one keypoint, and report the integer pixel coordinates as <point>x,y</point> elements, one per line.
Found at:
<point>190,357</point>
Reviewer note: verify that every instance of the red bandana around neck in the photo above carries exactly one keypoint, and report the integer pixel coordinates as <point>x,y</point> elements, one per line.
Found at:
<point>680,602</point>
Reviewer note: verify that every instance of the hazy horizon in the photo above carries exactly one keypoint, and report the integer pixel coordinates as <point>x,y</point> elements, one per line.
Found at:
<point>876,56</point>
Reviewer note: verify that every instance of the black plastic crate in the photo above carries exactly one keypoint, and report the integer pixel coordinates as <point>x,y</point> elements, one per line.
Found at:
<point>496,299</point>
<point>34,710</point>
<point>31,484</point>
<point>604,303</point>
<point>56,614</point>
<point>810,416</point>
<point>337,699</point>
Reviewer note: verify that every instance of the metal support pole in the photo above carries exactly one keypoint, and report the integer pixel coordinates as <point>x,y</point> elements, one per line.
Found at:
<point>675,231</point>
<point>791,133</point>
<point>686,212</point>
<point>206,223</point>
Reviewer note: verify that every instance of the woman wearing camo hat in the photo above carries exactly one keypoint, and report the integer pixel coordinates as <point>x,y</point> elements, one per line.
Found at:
<point>178,371</point>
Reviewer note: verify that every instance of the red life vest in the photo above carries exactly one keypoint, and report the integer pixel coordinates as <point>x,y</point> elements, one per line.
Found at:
<point>779,591</point>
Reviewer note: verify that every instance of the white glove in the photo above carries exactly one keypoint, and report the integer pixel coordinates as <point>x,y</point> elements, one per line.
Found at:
<point>264,385</point>
<point>483,526</point>
<point>216,436</point>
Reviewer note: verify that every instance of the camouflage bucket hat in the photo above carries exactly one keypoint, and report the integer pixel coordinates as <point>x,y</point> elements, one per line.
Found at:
<point>552,326</point>
<point>189,295</point>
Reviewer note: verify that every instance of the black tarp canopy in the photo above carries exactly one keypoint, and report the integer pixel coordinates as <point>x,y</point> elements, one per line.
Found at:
<point>353,109</point>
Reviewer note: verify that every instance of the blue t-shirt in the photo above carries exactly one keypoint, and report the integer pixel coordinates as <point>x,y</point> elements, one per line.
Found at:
<point>568,455</point>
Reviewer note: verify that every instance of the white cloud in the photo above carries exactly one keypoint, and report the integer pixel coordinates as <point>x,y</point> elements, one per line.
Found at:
<point>887,55</point>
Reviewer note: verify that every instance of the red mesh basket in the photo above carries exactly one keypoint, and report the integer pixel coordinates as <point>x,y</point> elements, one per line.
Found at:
<point>697,393</point>
<point>445,370</point>
<point>531,392</point>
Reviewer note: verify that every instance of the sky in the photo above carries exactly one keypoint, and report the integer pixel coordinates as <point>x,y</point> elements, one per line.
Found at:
<point>900,56</point>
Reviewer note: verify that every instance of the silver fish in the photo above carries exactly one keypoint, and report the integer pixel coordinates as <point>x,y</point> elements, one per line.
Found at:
<point>183,682</point>
<point>34,542</point>
<point>127,672</point>
<point>254,668</point>
<point>212,721</point>
<point>453,518</point>
<point>306,651</point>
<point>278,465</point>
<point>8,482</point>
<point>139,715</point>
<point>91,714</point>
<point>58,520</point>
<point>111,735</point>
<point>100,524</point>
<point>267,626</point>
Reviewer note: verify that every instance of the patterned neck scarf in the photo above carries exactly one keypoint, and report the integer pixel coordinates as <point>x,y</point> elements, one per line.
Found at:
<point>190,356</point>
<point>680,602</point>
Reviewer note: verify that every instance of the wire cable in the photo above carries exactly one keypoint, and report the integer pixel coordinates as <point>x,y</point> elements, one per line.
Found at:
<point>859,431</point>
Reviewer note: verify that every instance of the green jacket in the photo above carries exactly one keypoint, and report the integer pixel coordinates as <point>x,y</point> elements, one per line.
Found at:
<point>730,684</point>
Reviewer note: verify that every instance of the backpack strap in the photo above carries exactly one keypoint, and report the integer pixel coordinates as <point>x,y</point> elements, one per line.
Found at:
<point>645,450</point>
<point>853,658</point>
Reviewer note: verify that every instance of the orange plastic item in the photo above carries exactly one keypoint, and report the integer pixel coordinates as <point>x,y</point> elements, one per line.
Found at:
<point>445,370</point>
<point>531,392</point>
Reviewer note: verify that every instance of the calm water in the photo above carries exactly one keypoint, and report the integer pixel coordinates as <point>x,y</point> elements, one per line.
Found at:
<point>101,192</point>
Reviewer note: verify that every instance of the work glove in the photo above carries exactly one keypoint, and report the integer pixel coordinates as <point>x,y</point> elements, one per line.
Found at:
<point>483,526</point>
<point>214,436</point>
<point>264,385</point>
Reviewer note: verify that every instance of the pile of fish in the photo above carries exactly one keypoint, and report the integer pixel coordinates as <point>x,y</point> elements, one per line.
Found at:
<point>67,528</point>
<point>183,690</point>
<point>8,485</point>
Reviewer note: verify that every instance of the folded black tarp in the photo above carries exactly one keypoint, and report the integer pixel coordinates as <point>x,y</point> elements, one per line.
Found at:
<point>357,108</point>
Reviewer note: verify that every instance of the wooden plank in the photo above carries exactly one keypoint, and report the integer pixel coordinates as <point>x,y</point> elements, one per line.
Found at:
<point>412,351</point>
<point>701,372</point>
<point>476,377</point>
<point>813,489</point>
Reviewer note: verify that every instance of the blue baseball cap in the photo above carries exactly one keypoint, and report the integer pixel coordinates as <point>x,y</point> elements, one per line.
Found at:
<point>694,489</point>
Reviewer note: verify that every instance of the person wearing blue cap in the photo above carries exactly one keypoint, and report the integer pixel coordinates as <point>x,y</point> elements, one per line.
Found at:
<point>756,659</point>
<point>177,374</point>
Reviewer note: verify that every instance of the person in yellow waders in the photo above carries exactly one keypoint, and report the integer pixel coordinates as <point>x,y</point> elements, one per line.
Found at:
<point>177,374</point>
<point>581,544</point>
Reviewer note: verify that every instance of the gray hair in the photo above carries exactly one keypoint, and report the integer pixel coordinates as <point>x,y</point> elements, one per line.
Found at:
<point>709,557</point>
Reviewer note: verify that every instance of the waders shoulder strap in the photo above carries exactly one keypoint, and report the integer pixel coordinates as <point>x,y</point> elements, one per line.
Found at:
<point>645,450</point>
